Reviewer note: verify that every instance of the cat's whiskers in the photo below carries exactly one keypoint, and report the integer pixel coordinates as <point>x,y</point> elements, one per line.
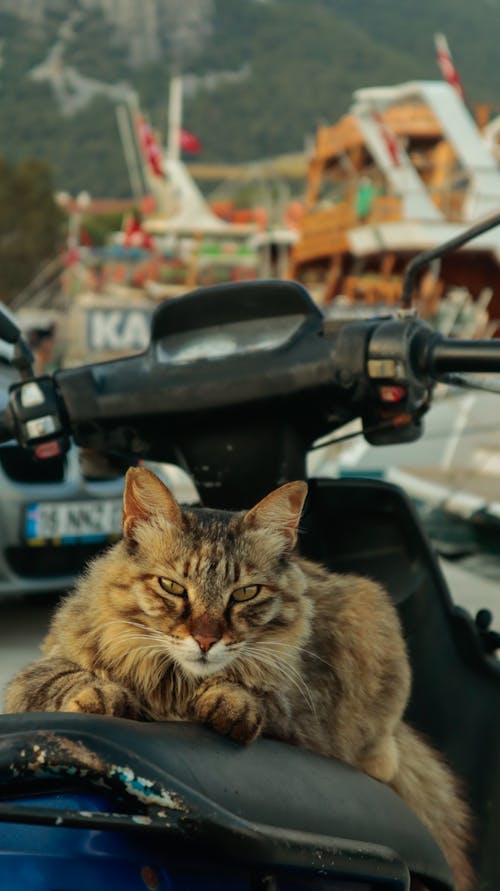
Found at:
<point>116,658</point>
<point>259,668</point>
<point>151,633</point>
<point>154,646</point>
<point>282,670</point>
<point>123,621</point>
<point>277,643</point>
<point>272,660</point>
<point>293,674</point>
<point>135,641</point>
<point>269,650</point>
<point>105,646</point>
<point>126,635</point>
<point>158,648</point>
<point>290,668</point>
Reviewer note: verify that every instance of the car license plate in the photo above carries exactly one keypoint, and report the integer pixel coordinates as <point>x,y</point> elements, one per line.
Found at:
<point>73,522</point>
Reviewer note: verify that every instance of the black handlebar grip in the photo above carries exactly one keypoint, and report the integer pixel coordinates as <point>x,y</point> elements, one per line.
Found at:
<point>6,427</point>
<point>464,355</point>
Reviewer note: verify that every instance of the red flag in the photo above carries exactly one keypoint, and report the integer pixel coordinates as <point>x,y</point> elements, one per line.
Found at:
<point>85,237</point>
<point>446,65</point>
<point>189,142</point>
<point>71,255</point>
<point>150,146</point>
<point>134,235</point>
<point>390,140</point>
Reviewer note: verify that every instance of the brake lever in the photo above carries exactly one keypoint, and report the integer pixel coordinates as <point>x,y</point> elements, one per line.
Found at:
<point>469,382</point>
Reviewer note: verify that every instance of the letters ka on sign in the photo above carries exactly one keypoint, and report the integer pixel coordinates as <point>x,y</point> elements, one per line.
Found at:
<point>118,329</point>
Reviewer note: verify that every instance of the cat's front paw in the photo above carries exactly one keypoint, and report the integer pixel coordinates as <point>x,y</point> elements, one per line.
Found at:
<point>102,699</point>
<point>231,710</point>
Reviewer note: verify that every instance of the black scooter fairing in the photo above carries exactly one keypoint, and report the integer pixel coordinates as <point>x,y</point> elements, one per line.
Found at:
<point>370,527</point>
<point>269,805</point>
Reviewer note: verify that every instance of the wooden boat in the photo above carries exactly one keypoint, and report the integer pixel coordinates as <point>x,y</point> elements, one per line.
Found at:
<point>407,168</point>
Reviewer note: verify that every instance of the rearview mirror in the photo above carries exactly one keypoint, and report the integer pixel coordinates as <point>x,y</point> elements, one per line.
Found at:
<point>21,356</point>
<point>9,329</point>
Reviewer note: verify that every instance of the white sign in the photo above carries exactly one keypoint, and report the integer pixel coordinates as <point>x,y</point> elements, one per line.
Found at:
<point>118,330</point>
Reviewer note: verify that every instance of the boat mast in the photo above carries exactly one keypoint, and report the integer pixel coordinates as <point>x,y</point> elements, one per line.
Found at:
<point>174,118</point>
<point>125,116</point>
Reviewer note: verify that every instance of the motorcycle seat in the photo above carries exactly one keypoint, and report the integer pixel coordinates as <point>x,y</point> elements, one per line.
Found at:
<point>272,798</point>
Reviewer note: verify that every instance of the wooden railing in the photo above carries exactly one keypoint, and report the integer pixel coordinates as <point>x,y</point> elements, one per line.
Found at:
<point>324,233</point>
<point>372,289</point>
<point>385,209</point>
<point>341,137</point>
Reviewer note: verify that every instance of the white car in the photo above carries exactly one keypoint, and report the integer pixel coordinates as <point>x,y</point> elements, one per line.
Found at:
<point>54,518</point>
<point>57,514</point>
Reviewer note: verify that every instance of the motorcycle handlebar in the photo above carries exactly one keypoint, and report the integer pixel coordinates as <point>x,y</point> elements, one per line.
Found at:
<point>339,368</point>
<point>464,355</point>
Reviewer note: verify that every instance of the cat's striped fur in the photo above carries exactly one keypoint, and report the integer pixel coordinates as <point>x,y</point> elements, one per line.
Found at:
<point>210,616</point>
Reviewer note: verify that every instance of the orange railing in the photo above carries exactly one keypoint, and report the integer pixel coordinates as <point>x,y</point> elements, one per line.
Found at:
<point>323,233</point>
<point>385,209</point>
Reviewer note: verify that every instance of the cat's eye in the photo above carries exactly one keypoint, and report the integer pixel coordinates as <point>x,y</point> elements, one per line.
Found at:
<point>246,593</point>
<point>172,587</point>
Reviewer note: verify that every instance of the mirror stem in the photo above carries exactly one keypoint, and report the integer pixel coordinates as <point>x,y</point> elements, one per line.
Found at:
<point>23,359</point>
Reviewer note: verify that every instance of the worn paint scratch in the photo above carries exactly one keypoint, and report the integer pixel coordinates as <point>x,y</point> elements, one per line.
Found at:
<point>52,755</point>
<point>146,790</point>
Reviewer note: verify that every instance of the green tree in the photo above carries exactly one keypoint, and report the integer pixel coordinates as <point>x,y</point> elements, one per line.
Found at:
<point>31,223</point>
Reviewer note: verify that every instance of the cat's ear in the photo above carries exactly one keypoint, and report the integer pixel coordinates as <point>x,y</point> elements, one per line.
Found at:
<point>146,496</point>
<point>280,511</point>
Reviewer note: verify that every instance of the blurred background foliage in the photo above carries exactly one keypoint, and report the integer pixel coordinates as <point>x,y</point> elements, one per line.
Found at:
<point>32,225</point>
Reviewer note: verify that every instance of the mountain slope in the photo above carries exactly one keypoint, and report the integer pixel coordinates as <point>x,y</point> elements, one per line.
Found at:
<point>305,62</point>
<point>472,30</point>
<point>263,75</point>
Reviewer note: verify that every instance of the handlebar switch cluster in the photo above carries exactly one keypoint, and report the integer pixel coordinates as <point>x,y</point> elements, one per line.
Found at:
<point>400,392</point>
<point>37,419</point>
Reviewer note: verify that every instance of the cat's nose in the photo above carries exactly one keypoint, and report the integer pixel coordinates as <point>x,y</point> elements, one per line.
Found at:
<point>205,641</point>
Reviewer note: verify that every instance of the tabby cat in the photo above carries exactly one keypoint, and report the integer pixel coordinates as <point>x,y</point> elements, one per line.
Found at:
<point>210,616</point>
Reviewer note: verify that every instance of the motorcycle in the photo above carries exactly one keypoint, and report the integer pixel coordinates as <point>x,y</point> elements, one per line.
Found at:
<point>238,383</point>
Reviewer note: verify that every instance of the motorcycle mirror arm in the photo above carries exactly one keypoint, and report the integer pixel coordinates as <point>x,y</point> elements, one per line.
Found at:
<point>22,356</point>
<point>23,359</point>
<point>422,260</point>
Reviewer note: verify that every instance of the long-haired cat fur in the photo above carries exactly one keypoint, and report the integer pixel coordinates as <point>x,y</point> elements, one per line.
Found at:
<point>211,616</point>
